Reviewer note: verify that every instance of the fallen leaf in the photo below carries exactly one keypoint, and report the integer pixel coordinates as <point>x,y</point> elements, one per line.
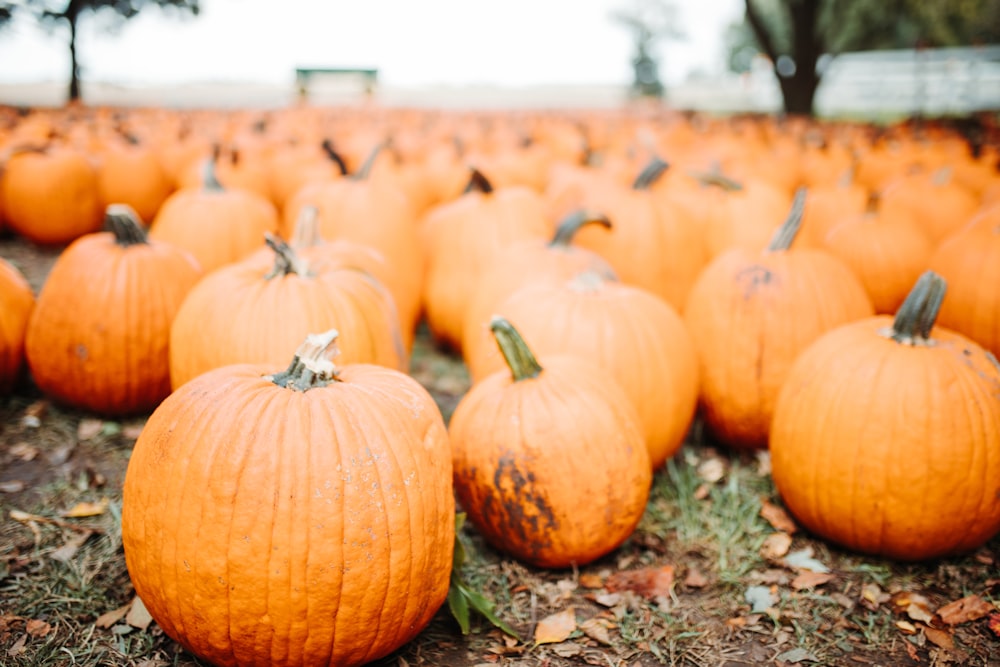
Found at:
<point>712,470</point>
<point>940,638</point>
<point>994,624</point>
<point>608,599</point>
<point>872,596</point>
<point>17,648</point>
<point>796,655</point>
<point>969,608</point>
<point>590,580</point>
<point>138,616</point>
<point>568,650</point>
<point>777,517</point>
<point>85,509</point>
<point>775,546</point>
<point>760,598</point>
<point>648,582</point>
<point>556,627</point>
<point>24,451</point>
<point>37,629</point>
<point>109,618</point>
<point>34,413</point>
<point>68,550</point>
<point>911,651</point>
<point>906,627</point>
<point>597,630</point>
<point>701,492</point>
<point>803,560</point>
<point>88,428</point>
<point>807,580</point>
<point>12,486</point>
<point>695,579</point>
<point>132,431</point>
<point>914,605</point>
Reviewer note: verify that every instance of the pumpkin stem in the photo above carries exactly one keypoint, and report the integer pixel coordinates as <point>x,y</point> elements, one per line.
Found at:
<point>716,178</point>
<point>520,360</point>
<point>306,232</point>
<point>312,366</point>
<point>209,177</point>
<point>478,183</point>
<point>916,317</point>
<point>124,223</point>
<point>332,153</point>
<point>782,239</point>
<point>650,174</point>
<point>365,170</point>
<point>286,260</point>
<point>573,222</point>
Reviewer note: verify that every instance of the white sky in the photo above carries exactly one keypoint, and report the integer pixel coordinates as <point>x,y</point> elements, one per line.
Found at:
<point>411,42</point>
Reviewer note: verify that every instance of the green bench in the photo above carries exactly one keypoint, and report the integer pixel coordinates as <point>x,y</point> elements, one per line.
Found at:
<point>304,74</point>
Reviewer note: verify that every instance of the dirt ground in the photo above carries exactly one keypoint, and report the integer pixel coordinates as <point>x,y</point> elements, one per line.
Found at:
<point>716,575</point>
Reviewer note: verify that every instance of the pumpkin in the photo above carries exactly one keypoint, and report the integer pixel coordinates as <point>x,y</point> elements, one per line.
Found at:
<point>99,335</point>
<point>970,261</point>
<point>16,303</point>
<point>886,435</point>
<point>751,313</point>
<point>549,460</point>
<point>50,194</point>
<point>243,313</point>
<point>462,237</point>
<point>217,225</point>
<point>130,172</point>
<point>938,204</point>
<point>301,517</point>
<point>635,336</point>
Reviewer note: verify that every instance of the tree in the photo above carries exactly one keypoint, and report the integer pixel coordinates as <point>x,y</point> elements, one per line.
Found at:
<point>68,12</point>
<point>794,34</point>
<point>649,21</point>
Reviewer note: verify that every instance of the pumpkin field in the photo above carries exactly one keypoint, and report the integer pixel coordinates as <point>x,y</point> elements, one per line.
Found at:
<point>401,386</point>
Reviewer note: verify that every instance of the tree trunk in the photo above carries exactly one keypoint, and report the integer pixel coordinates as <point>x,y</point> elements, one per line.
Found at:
<point>74,74</point>
<point>799,90</point>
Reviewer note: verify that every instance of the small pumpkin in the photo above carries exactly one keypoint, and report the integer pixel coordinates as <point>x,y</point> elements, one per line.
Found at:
<point>549,460</point>
<point>301,517</point>
<point>17,300</point>
<point>886,435</point>
<point>99,335</point>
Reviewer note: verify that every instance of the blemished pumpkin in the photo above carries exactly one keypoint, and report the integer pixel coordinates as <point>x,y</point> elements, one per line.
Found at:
<point>550,463</point>
<point>98,338</point>
<point>17,300</point>
<point>243,313</point>
<point>751,314</point>
<point>886,435</point>
<point>300,517</point>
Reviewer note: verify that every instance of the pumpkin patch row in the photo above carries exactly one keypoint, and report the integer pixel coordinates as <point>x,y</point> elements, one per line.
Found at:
<point>607,279</point>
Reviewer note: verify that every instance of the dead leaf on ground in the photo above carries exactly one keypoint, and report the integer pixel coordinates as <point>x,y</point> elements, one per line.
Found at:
<point>795,656</point>
<point>914,605</point>
<point>598,630</point>
<point>775,546</point>
<point>712,470</point>
<point>34,413</point>
<point>647,582</point>
<point>567,650</point>
<point>24,451</point>
<point>590,580</point>
<point>12,486</point>
<point>994,624</point>
<point>68,550</point>
<point>138,616</point>
<point>607,599</point>
<point>17,648</point>
<point>88,428</point>
<point>777,517</point>
<point>109,618</point>
<point>872,596</point>
<point>906,627</point>
<point>803,560</point>
<point>556,627</point>
<point>37,629</point>
<point>132,431</point>
<point>695,579</point>
<point>969,608</point>
<point>940,638</point>
<point>86,509</point>
<point>760,598</point>
<point>806,580</point>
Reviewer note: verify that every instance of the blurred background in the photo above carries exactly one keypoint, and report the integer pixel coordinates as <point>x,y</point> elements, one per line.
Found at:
<point>866,58</point>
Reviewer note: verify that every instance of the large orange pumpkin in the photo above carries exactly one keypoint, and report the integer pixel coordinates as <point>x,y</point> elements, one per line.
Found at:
<point>550,463</point>
<point>302,517</point>
<point>99,335</point>
<point>751,313</point>
<point>16,303</point>
<point>886,435</point>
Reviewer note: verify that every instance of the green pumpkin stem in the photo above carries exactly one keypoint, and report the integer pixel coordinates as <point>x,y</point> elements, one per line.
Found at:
<point>573,222</point>
<point>478,183</point>
<point>306,232</point>
<point>209,178</point>
<point>125,224</point>
<point>650,174</point>
<point>337,158</point>
<point>916,317</point>
<point>286,260</point>
<point>716,178</point>
<point>520,360</point>
<point>365,170</point>
<point>312,366</point>
<point>783,238</point>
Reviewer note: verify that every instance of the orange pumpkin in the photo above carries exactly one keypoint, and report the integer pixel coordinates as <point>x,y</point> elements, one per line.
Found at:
<point>533,442</point>
<point>302,517</point>
<point>130,172</point>
<point>886,435</point>
<point>751,314</point>
<point>17,300</point>
<point>99,335</point>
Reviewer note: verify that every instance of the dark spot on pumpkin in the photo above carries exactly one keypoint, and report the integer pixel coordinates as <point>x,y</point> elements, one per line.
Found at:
<point>754,278</point>
<point>81,352</point>
<point>517,494</point>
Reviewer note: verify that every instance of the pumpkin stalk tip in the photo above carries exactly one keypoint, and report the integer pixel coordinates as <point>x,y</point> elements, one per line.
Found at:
<point>789,230</point>
<point>286,260</point>
<point>519,358</point>
<point>312,366</point>
<point>916,317</point>
<point>125,224</point>
<point>576,221</point>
